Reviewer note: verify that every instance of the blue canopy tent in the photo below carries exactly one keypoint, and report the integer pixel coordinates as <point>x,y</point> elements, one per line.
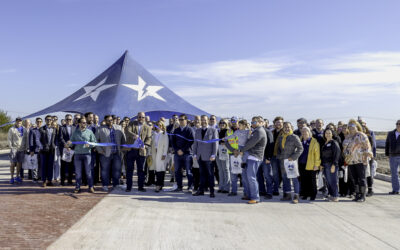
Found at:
<point>124,89</point>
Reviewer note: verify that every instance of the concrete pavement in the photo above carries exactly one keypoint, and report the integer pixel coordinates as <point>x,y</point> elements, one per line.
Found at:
<point>180,221</point>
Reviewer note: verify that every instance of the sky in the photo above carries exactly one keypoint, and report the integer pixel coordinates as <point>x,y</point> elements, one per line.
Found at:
<point>315,59</point>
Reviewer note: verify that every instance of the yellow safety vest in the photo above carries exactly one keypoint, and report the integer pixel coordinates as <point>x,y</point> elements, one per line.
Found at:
<point>234,142</point>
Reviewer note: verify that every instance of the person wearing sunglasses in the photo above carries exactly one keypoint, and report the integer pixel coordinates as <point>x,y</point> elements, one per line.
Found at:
<point>48,142</point>
<point>110,157</point>
<point>34,147</point>
<point>66,132</point>
<point>82,155</point>
<point>356,151</point>
<point>182,144</point>
<point>137,131</point>
<point>392,150</point>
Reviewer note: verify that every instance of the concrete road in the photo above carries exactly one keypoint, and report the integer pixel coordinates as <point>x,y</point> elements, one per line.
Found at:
<point>180,221</point>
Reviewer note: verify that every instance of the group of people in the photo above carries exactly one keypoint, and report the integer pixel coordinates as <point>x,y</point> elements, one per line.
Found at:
<point>337,160</point>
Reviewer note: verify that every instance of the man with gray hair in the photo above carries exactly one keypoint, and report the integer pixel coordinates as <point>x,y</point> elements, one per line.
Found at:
<point>255,147</point>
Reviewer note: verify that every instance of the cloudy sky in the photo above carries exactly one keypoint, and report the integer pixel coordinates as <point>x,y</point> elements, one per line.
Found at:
<point>329,59</point>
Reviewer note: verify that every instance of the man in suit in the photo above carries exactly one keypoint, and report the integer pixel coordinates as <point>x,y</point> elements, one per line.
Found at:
<point>47,139</point>
<point>392,149</point>
<point>205,154</point>
<point>182,144</point>
<point>137,130</point>
<point>66,132</point>
<point>35,146</point>
<point>110,156</point>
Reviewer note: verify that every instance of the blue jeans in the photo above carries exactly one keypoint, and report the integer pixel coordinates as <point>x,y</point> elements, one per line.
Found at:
<point>113,162</point>
<point>287,184</point>
<point>275,163</point>
<point>183,161</point>
<point>79,161</point>
<point>224,174</point>
<point>251,174</point>
<point>234,179</point>
<point>131,157</point>
<point>331,179</point>
<point>266,171</point>
<point>394,169</point>
<point>46,162</point>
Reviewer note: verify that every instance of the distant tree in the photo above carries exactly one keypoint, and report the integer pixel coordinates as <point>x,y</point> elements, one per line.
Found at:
<point>5,118</point>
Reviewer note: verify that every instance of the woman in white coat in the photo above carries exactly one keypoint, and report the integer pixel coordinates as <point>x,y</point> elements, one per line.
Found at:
<point>159,151</point>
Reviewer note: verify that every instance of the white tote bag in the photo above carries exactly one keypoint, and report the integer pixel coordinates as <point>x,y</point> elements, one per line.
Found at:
<point>223,153</point>
<point>320,180</point>
<point>67,155</point>
<point>30,162</point>
<point>291,168</point>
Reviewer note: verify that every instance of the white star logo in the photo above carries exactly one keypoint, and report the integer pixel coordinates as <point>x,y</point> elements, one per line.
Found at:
<point>94,91</point>
<point>142,93</point>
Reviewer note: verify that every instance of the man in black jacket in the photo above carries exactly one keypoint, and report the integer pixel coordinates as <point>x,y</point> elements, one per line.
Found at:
<point>66,132</point>
<point>264,172</point>
<point>47,139</point>
<point>392,149</point>
<point>182,143</point>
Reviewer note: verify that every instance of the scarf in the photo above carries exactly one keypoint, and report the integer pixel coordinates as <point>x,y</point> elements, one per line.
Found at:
<point>284,136</point>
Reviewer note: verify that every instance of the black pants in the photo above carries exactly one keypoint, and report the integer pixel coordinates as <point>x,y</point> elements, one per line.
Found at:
<point>308,182</point>
<point>206,175</point>
<point>196,178</point>
<point>216,172</point>
<point>160,178</point>
<point>358,174</point>
<point>66,167</point>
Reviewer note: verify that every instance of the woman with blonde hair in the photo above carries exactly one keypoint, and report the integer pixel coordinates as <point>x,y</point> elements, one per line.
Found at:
<point>159,151</point>
<point>309,162</point>
<point>356,151</point>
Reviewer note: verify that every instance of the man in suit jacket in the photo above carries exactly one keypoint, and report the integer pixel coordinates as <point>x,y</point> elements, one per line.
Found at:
<point>47,139</point>
<point>137,130</point>
<point>66,132</point>
<point>392,149</point>
<point>110,156</point>
<point>205,154</point>
<point>182,144</point>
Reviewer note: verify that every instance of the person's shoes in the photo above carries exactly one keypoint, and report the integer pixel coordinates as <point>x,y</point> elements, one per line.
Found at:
<point>219,191</point>
<point>232,194</point>
<point>198,193</point>
<point>312,198</point>
<point>70,183</point>
<point>12,181</point>
<point>44,184</point>
<point>212,195</point>
<point>91,190</point>
<point>18,180</point>
<point>357,197</point>
<point>35,180</point>
<point>286,197</point>
<point>295,199</point>
<point>262,193</point>
<point>49,183</point>
<point>225,192</point>
<point>62,184</point>
<point>370,192</point>
<point>245,198</point>
<point>157,189</point>
<point>128,190</point>
<point>77,190</point>
<point>334,199</point>
<point>361,199</point>
<point>252,202</point>
<point>141,189</point>
<point>268,196</point>
<point>393,192</point>
<point>172,180</point>
<point>303,197</point>
<point>275,193</point>
<point>105,188</point>
<point>178,190</point>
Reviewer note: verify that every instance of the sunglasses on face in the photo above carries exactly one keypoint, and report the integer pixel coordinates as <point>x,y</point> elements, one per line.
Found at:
<point>397,123</point>
<point>48,120</point>
<point>68,119</point>
<point>254,123</point>
<point>182,120</point>
<point>83,123</point>
<point>109,120</point>
<point>141,117</point>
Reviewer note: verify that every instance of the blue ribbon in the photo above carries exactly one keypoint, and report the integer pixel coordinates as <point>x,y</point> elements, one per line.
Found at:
<point>208,141</point>
<point>138,144</point>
